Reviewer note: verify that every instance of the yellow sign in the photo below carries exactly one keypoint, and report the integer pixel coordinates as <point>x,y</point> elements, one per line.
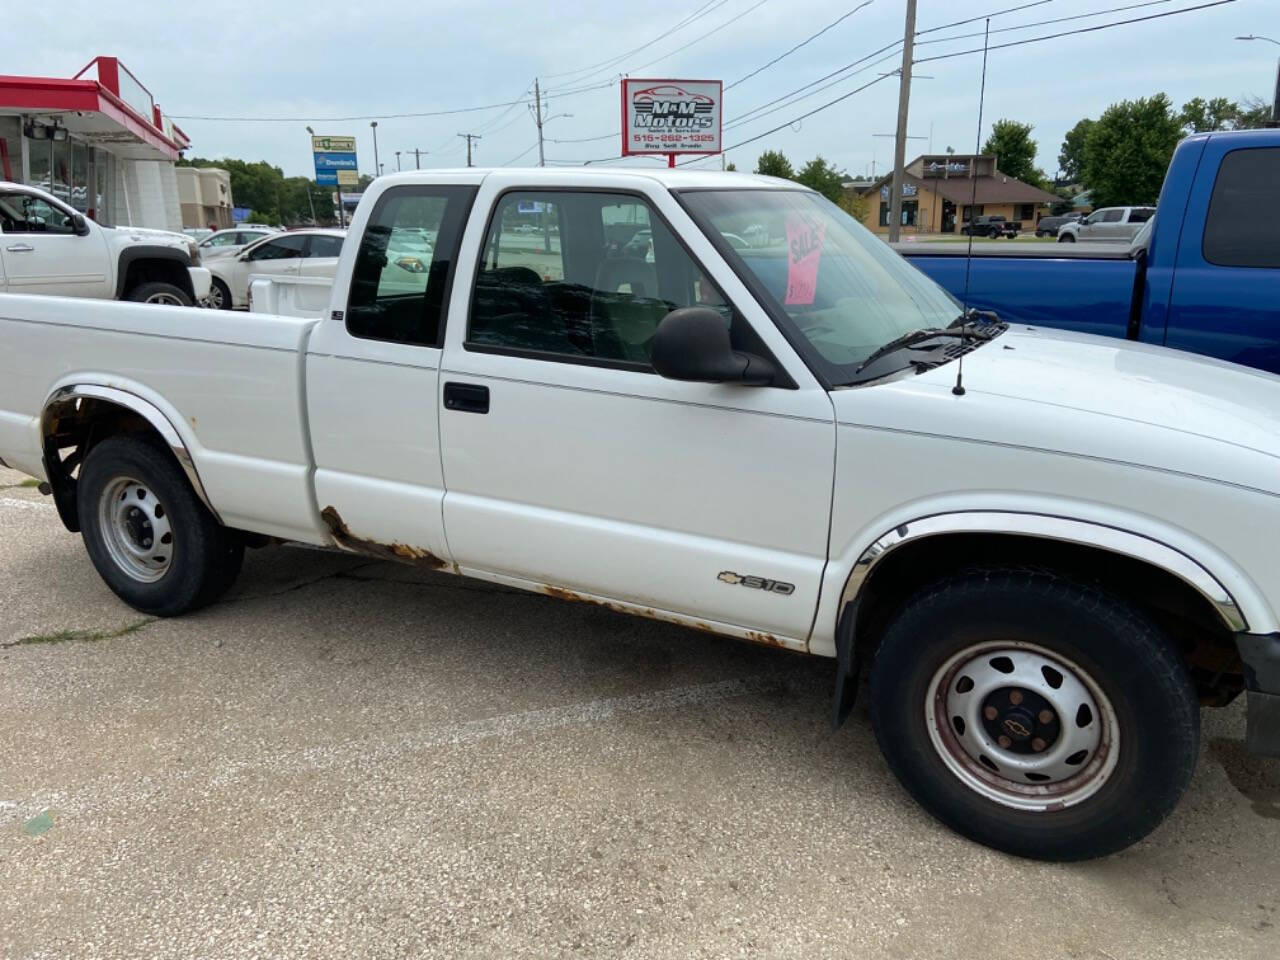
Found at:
<point>348,178</point>
<point>333,144</point>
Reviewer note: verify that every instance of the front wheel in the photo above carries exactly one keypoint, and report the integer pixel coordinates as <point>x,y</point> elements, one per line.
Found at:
<point>1033,714</point>
<point>151,539</point>
<point>157,291</point>
<point>219,295</point>
<point>1067,238</point>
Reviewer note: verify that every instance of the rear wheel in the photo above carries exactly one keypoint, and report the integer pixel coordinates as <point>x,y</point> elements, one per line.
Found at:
<point>1067,238</point>
<point>156,291</point>
<point>1035,715</point>
<point>151,539</point>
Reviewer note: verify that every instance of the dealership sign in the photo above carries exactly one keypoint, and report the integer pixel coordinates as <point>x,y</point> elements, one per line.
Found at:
<point>335,161</point>
<point>670,116</point>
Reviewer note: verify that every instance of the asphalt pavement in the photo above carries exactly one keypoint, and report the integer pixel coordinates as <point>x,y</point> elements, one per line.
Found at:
<point>347,758</point>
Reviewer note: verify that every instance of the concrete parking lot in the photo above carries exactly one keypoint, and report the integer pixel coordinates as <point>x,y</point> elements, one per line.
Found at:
<point>354,759</point>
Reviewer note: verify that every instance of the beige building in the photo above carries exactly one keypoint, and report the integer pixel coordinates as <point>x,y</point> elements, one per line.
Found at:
<point>941,193</point>
<point>204,194</point>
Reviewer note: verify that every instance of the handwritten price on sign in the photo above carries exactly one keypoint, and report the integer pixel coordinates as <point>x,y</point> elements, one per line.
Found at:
<point>804,254</point>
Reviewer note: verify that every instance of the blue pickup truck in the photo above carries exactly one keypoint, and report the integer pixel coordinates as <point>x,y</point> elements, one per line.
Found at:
<point>1203,275</point>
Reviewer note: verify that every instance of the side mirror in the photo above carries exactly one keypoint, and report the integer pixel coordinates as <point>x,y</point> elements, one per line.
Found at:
<point>80,225</point>
<point>692,343</point>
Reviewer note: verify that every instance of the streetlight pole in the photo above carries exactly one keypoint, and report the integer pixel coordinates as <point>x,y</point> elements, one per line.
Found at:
<point>1275,99</point>
<point>374,127</point>
<point>311,203</point>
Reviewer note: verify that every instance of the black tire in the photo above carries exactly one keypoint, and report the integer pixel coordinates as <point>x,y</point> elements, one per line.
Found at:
<point>219,295</point>
<point>156,291</point>
<point>1126,656</point>
<point>206,557</point>
<point>1067,238</point>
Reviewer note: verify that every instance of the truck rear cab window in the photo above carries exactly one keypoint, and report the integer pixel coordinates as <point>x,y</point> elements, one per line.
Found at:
<point>584,277</point>
<point>1241,228</point>
<point>405,265</point>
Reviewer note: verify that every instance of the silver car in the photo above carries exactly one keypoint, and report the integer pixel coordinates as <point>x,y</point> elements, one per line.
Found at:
<point>223,243</point>
<point>1115,224</point>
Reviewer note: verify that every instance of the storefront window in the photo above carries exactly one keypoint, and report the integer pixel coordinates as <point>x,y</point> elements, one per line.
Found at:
<point>10,149</point>
<point>61,187</point>
<point>40,157</point>
<point>102,174</point>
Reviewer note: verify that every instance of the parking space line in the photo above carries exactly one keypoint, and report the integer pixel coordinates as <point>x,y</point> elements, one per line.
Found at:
<point>112,791</point>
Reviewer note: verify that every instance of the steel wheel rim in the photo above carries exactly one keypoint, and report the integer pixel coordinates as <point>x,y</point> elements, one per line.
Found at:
<point>165,298</point>
<point>135,529</point>
<point>215,297</point>
<point>968,685</point>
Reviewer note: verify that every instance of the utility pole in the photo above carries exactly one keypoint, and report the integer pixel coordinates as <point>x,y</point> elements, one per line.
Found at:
<point>900,143</point>
<point>475,136</point>
<point>537,118</point>
<point>417,157</point>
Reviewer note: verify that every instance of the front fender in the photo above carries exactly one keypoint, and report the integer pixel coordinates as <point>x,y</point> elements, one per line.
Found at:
<point>1233,595</point>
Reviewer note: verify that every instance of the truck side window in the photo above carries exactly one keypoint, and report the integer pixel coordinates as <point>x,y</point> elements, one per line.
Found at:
<point>581,276</point>
<point>1240,230</point>
<point>404,268</point>
<point>20,213</point>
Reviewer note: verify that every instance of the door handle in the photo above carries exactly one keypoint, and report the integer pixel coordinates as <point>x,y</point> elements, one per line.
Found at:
<point>20,248</point>
<point>466,397</point>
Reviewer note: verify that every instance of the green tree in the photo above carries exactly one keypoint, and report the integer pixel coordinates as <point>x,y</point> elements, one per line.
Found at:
<point>1015,152</point>
<point>819,175</point>
<point>1071,156</point>
<point>857,205</point>
<point>773,163</point>
<point>1128,150</point>
<point>732,166</point>
<point>1254,114</point>
<point>1202,116</point>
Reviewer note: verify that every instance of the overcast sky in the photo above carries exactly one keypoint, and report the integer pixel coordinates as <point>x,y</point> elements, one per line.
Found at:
<point>322,59</point>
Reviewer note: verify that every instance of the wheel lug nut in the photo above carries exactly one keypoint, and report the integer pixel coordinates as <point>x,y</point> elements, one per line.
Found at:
<point>990,712</point>
<point>147,542</point>
<point>1004,741</point>
<point>1015,697</point>
<point>1045,716</point>
<point>1037,744</point>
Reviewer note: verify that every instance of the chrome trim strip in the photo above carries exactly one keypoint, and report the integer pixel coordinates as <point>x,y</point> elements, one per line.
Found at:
<point>1051,527</point>
<point>144,409</point>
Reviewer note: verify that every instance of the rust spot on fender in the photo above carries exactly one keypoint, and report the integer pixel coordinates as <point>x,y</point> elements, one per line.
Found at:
<point>399,552</point>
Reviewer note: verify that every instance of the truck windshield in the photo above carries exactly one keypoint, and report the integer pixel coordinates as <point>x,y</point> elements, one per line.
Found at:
<point>822,273</point>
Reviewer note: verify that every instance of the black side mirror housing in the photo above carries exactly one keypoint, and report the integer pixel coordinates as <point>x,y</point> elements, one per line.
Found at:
<point>80,225</point>
<point>692,343</point>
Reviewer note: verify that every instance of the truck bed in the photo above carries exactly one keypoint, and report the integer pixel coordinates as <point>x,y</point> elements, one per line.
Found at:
<point>1088,288</point>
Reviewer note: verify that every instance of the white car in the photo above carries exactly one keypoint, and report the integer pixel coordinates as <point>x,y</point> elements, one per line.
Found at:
<point>223,243</point>
<point>1047,549</point>
<point>48,247</point>
<point>299,253</point>
<point>1107,224</point>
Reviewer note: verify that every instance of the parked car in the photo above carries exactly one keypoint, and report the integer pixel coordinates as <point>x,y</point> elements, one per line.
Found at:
<point>305,253</point>
<point>1047,564</point>
<point>224,243</point>
<point>51,248</point>
<point>1108,224</point>
<point>1203,275</point>
<point>993,226</point>
<point>197,233</point>
<point>1048,226</point>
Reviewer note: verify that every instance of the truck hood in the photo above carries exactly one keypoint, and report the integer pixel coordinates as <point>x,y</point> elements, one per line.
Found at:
<point>1086,396</point>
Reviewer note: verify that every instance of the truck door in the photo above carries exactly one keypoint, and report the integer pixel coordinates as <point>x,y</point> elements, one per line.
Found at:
<point>44,254</point>
<point>372,370</point>
<point>570,464</point>
<point>1225,299</point>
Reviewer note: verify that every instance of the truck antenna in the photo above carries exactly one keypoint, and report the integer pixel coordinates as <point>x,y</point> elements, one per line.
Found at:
<point>958,389</point>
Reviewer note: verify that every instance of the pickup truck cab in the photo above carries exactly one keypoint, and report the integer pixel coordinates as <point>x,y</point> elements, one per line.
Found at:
<point>1107,225</point>
<point>48,247</point>
<point>1202,275</point>
<point>1049,550</point>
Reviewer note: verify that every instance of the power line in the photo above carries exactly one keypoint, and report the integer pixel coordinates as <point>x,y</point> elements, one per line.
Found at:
<point>702,11</point>
<point>368,116</point>
<point>810,39</point>
<point>1069,33</point>
<point>1041,23</point>
<point>985,16</point>
<point>523,153</point>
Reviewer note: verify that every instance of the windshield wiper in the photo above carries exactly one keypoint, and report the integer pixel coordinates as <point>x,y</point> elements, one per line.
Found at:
<point>911,338</point>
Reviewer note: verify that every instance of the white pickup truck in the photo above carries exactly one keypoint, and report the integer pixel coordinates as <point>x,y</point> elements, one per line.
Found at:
<point>48,247</point>
<point>1049,550</point>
